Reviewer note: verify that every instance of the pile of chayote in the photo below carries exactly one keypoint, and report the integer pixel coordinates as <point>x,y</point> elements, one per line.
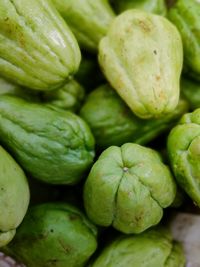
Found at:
<point>99,130</point>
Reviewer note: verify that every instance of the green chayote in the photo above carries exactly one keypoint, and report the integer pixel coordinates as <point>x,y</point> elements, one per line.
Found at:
<point>128,187</point>
<point>191,91</point>
<point>183,150</point>
<point>141,56</point>
<point>54,234</point>
<point>14,196</point>
<point>38,50</point>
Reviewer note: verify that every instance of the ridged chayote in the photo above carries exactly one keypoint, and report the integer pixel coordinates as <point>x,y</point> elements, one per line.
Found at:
<point>113,123</point>
<point>153,248</point>
<point>14,196</point>
<point>183,150</point>
<point>88,19</point>
<point>37,50</point>
<point>141,56</point>
<point>128,187</point>
<point>54,146</point>
<point>54,234</point>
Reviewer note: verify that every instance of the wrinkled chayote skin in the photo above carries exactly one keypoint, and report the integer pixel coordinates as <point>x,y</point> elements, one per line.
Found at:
<point>141,56</point>
<point>191,91</point>
<point>153,6</point>
<point>153,248</point>
<point>128,187</point>
<point>88,19</point>
<point>54,234</point>
<point>53,146</point>
<point>185,16</point>
<point>183,150</point>
<point>44,51</point>
<point>14,196</point>
<point>115,124</point>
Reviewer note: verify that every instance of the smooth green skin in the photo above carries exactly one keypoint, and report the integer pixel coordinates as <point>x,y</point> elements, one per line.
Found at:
<point>45,53</point>
<point>53,146</point>
<point>128,187</point>
<point>68,97</point>
<point>185,16</point>
<point>14,196</point>
<point>141,57</point>
<point>88,19</point>
<point>54,234</point>
<point>152,6</point>
<point>153,248</point>
<point>115,124</point>
<point>183,149</point>
<point>191,91</point>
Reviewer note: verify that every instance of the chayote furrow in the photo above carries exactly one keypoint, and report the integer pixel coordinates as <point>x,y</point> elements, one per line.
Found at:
<point>53,146</point>
<point>44,51</point>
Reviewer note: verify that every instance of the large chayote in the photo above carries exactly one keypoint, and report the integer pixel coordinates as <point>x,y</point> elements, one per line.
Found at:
<point>185,16</point>
<point>153,248</point>
<point>54,234</point>
<point>191,91</point>
<point>141,56</point>
<point>128,187</point>
<point>14,196</point>
<point>183,149</point>
<point>153,6</point>
<point>88,19</point>
<point>113,123</point>
<point>52,145</point>
<point>37,48</point>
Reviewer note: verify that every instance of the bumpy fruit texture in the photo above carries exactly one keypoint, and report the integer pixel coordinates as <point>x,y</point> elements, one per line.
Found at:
<point>113,123</point>
<point>128,187</point>
<point>54,234</point>
<point>141,56</point>
<point>88,19</point>
<point>153,6</point>
<point>153,248</point>
<point>191,91</point>
<point>53,146</point>
<point>185,16</point>
<point>14,196</point>
<point>38,50</point>
<point>183,149</point>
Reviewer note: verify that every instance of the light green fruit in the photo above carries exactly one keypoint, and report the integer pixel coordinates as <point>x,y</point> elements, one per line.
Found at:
<point>141,57</point>
<point>128,187</point>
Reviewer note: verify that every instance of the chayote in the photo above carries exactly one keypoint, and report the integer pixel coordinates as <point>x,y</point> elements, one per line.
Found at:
<point>38,50</point>
<point>54,234</point>
<point>141,56</point>
<point>153,6</point>
<point>88,19</point>
<point>14,196</point>
<point>185,15</point>
<point>183,150</point>
<point>191,91</point>
<point>128,187</point>
<point>115,124</point>
<point>153,248</point>
<point>54,146</point>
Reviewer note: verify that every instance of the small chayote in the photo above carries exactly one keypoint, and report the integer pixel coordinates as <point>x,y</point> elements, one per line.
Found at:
<point>128,187</point>
<point>184,153</point>
<point>141,56</point>
<point>153,248</point>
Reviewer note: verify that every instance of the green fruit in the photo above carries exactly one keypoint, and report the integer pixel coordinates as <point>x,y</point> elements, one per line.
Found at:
<point>153,6</point>
<point>115,124</point>
<point>53,146</point>
<point>141,56</point>
<point>128,187</point>
<point>88,19</point>
<point>54,234</point>
<point>153,248</point>
<point>14,196</point>
<point>185,15</point>
<point>183,150</point>
<point>191,91</point>
<point>37,49</point>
